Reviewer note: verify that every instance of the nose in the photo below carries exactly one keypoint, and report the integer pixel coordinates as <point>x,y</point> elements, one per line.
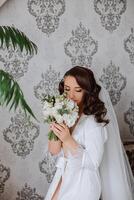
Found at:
<point>71,95</point>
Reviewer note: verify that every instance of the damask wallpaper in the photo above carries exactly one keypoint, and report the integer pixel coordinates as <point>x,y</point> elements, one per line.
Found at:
<point>97,34</point>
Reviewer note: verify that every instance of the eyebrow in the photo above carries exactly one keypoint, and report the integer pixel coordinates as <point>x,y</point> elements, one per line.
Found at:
<point>69,87</point>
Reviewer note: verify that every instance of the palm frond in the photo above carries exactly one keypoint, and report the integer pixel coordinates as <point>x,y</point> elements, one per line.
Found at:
<point>10,93</point>
<point>16,38</point>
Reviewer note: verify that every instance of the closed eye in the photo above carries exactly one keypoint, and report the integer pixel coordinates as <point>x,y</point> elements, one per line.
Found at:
<point>66,89</point>
<point>80,90</point>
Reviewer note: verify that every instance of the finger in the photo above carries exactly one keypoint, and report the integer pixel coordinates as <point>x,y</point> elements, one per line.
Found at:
<point>52,125</point>
<point>63,125</point>
<point>55,130</point>
<point>58,126</point>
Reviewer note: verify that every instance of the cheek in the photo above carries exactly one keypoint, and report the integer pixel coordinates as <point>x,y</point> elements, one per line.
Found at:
<point>80,98</point>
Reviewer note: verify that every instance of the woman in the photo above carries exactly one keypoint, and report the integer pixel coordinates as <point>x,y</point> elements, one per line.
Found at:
<point>84,167</point>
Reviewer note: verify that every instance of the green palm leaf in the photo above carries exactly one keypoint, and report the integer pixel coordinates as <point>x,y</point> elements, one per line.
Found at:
<point>10,93</point>
<point>17,39</point>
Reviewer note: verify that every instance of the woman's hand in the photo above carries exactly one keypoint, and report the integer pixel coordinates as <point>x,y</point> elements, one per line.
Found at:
<point>61,131</point>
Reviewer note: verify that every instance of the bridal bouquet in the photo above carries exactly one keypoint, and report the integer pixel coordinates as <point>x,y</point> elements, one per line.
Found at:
<point>59,109</point>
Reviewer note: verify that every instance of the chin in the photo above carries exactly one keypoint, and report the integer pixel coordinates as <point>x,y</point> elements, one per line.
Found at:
<point>75,101</point>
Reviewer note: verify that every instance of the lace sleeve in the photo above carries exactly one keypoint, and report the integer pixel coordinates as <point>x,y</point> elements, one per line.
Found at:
<point>50,165</point>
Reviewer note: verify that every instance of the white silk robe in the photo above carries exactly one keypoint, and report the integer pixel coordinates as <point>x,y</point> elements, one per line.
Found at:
<point>80,171</point>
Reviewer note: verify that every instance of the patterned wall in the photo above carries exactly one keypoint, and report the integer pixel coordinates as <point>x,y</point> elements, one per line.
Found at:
<point>98,34</point>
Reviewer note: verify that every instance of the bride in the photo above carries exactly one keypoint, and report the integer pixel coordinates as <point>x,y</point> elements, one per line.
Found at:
<point>91,162</point>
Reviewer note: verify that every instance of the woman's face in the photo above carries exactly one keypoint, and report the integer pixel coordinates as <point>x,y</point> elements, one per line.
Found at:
<point>73,90</point>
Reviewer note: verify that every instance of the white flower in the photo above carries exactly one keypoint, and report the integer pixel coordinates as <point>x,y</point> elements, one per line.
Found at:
<point>47,105</point>
<point>70,122</point>
<point>58,105</point>
<point>70,104</point>
<point>75,115</point>
<point>69,119</point>
<point>59,119</point>
<point>66,106</point>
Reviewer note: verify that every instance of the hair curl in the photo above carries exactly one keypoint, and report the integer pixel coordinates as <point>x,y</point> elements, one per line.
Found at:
<point>92,105</point>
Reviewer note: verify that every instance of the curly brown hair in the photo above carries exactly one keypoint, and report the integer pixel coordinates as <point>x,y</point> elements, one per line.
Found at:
<point>92,105</point>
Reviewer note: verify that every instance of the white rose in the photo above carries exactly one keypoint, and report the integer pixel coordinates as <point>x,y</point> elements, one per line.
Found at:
<point>69,121</point>
<point>75,115</point>
<point>58,106</point>
<point>47,112</point>
<point>53,111</point>
<point>70,104</point>
<point>47,105</point>
<point>59,118</point>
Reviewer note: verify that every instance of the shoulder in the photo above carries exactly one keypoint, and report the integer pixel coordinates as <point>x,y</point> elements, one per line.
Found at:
<point>90,122</point>
<point>93,128</point>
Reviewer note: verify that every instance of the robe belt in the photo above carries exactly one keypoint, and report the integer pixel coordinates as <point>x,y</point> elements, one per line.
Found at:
<point>61,163</point>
